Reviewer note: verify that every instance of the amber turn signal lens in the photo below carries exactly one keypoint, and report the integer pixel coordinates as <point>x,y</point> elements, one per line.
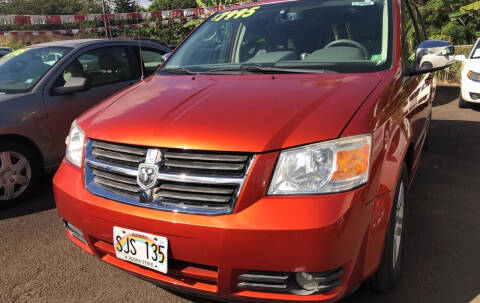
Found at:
<point>352,163</point>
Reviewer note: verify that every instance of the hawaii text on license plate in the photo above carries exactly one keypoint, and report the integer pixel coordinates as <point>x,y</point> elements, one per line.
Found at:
<point>141,248</point>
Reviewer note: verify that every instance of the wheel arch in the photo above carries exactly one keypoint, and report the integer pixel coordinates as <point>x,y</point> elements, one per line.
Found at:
<point>400,152</point>
<point>28,143</point>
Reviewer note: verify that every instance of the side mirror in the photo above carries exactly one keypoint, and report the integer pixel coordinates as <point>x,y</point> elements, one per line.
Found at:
<point>73,85</point>
<point>427,59</point>
<point>461,58</point>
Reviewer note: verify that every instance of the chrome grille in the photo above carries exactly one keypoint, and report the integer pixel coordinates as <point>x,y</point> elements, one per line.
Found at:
<point>188,181</point>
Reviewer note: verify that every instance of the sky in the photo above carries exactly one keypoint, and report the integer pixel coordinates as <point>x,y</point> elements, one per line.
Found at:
<point>145,3</point>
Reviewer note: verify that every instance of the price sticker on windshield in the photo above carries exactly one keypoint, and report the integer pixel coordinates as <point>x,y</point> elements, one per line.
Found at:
<point>236,14</point>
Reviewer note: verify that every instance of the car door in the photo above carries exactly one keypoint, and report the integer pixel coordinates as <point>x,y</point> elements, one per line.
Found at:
<point>417,90</point>
<point>107,69</point>
<point>427,90</point>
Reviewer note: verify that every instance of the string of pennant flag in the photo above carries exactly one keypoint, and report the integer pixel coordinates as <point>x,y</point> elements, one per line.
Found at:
<point>100,29</point>
<point>68,19</point>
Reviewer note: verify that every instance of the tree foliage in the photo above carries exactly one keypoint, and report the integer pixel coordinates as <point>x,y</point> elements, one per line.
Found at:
<point>49,7</point>
<point>160,5</point>
<point>205,3</point>
<point>123,6</point>
<point>463,29</point>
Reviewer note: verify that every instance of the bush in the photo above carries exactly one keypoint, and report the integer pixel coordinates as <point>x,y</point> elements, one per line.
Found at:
<point>9,41</point>
<point>452,73</point>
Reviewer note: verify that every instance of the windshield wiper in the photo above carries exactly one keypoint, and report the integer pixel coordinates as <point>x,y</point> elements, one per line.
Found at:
<point>266,70</point>
<point>178,71</point>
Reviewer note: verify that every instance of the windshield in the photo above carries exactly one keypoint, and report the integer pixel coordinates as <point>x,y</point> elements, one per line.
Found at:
<point>22,69</point>
<point>338,35</point>
<point>476,51</point>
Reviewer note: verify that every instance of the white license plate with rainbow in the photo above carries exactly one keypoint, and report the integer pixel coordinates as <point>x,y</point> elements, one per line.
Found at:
<point>141,248</point>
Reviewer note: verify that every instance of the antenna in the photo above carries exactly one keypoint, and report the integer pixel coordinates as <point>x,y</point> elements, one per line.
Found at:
<point>104,21</point>
<point>139,41</point>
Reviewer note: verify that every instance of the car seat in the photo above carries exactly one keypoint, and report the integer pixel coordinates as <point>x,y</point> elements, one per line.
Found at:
<point>74,70</point>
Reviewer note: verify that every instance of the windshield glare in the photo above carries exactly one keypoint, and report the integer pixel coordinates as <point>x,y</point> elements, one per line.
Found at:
<point>22,69</point>
<point>338,35</point>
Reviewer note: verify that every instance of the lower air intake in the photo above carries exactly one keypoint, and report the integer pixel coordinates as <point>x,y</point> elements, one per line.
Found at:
<point>288,282</point>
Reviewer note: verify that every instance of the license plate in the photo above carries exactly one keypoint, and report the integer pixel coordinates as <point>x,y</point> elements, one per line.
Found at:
<point>141,248</point>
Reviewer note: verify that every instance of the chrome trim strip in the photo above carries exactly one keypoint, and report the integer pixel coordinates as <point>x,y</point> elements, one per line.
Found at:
<point>240,187</point>
<point>200,179</point>
<point>110,168</point>
<point>255,278</point>
<point>164,176</point>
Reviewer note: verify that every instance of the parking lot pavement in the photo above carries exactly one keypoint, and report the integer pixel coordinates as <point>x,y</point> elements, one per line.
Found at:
<point>39,264</point>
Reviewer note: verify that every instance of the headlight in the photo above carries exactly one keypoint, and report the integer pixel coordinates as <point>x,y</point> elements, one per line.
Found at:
<point>473,76</point>
<point>327,167</point>
<point>74,143</point>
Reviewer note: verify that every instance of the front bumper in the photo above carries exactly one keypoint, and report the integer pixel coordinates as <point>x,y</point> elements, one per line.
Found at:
<point>470,90</point>
<point>207,254</point>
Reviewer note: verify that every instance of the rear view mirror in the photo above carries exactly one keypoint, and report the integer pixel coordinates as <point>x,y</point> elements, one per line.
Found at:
<point>73,85</point>
<point>433,55</point>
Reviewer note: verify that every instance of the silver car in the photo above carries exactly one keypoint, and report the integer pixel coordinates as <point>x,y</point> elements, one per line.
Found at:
<point>43,88</point>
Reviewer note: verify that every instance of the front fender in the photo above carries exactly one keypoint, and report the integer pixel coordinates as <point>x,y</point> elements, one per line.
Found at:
<point>24,116</point>
<point>382,115</point>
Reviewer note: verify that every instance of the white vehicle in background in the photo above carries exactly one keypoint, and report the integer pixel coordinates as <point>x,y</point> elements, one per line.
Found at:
<point>470,77</point>
<point>438,56</point>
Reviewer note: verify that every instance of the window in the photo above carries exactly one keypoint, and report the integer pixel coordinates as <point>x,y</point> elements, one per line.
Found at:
<point>212,47</point>
<point>475,54</point>
<point>339,35</point>
<point>410,37</point>
<point>450,51</point>
<point>151,60</point>
<point>22,69</point>
<point>100,67</point>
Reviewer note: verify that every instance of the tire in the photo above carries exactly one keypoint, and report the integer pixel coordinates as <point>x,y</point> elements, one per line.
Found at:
<point>19,172</point>
<point>389,271</point>
<point>461,102</point>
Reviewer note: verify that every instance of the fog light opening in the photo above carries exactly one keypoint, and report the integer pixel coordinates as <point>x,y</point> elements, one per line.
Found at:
<point>75,232</point>
<point>474,96</point>
<point>306,281</point>
<point>304,284</point>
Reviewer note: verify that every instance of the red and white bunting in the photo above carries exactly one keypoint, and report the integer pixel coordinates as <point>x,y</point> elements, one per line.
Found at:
<point>100,29</point>
<point>67,19</point>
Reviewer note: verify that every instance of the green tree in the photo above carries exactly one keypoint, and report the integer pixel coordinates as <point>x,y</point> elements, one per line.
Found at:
<point>169,34</point>
<point>462,29</point>
<point>124,6</point>
<point>49,7</point>
<point>160,5</point>
<point>205,3</point>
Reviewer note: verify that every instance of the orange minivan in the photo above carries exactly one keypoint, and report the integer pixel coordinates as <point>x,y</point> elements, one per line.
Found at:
<point>268,159</point>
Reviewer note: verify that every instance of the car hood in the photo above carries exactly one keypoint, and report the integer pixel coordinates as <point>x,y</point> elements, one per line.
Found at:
<point>474,65</point>
<point>252,113</point>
